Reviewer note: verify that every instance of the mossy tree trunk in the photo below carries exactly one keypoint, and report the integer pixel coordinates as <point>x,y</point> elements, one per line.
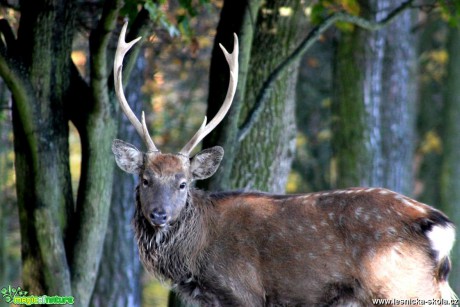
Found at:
<point>39,86</point>
<point>9,265</point>
<point>261,159</point>
<point>118,280</point>
<point>61,239</point>
<point>236,17</point>
<point>429,113</point>
<point>450,167</point>
<point>374,101</point>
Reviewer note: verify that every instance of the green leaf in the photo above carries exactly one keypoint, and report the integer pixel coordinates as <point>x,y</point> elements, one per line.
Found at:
<point>317,14</point>
<point>450,12</point>
<point>129,9</point>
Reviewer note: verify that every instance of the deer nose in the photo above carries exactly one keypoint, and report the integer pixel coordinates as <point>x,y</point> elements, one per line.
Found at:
<point>158,217</point>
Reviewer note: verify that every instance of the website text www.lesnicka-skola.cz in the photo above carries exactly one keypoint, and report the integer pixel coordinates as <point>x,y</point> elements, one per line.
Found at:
<point>416,302</point>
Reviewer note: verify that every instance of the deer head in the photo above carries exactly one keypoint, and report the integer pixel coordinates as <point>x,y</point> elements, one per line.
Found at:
<point>165,179</point>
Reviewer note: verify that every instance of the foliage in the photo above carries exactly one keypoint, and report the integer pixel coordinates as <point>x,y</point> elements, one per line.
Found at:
<point>178,23</point>
<point>158,15</point>
<point>433,64</point>
<point>450,11</point>
<point>324,8</point>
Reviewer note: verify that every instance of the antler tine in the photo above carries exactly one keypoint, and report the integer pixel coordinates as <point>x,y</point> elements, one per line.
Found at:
<point>232,60</point>
<point>122,49</point>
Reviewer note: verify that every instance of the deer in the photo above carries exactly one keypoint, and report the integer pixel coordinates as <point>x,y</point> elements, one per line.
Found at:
<point>246,248</point>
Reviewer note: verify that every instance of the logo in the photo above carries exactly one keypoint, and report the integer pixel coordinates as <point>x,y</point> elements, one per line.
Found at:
<point>18,296</point>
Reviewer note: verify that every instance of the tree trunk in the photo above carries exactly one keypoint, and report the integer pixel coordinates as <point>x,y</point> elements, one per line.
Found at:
<point>263,159</point>
<point>9,265</point>
<point>41,145</point>
<point>450,172</point>
<point>429,115</point>
<point>61,241</point>
<point>374,102</point>
<point>265,155</point>
<point>118,281</point>
<point>236,17</point>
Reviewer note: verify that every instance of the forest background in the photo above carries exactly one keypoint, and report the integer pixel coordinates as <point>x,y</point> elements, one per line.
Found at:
<point>331,94</point>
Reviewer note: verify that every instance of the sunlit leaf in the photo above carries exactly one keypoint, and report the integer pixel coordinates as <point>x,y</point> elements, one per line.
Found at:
<point>345,26</point>
<point>351,6</point>
<point>431,143</point>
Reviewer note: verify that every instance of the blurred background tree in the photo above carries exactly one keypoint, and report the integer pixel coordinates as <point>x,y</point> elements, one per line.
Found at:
<point>370,86</point>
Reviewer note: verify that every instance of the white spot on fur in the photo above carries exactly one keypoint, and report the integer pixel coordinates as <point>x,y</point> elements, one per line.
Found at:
<point>409,202</point>
<point>442,239</point>
<point>369,190</point>
<point>358,212</point>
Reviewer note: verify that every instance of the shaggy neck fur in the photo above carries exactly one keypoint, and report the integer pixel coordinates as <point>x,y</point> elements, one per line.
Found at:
<point>175,251</point>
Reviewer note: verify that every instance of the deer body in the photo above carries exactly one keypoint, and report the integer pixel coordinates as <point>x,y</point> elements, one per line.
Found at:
<point>335,248</point>
<point>254,249</point>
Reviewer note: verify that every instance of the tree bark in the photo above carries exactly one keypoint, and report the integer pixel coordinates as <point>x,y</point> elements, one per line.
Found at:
<point>236,17</point>
<point>115,286</point>
<point>450,171</point>
<point>41,144</point>
<point>118,281</point>
<point>374,102</point>
<point>263,159</point>
<point>61,241</point>
<point>429,116</point>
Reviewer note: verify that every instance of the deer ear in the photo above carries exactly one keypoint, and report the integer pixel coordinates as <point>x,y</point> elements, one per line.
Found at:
<point>205,163</point>
<point>128,157</point>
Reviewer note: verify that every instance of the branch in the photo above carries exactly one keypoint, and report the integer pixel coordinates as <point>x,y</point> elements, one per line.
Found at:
<point>99,41</point>
<point>312,37</point>
<point>21,91</point>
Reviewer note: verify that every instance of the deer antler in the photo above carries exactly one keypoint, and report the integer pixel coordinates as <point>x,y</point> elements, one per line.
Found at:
<point>205,129</point>
<point>122,49</point>
<point>232,60</point>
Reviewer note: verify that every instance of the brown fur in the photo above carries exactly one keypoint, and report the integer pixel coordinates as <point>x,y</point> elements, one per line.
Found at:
<point>253,249</point>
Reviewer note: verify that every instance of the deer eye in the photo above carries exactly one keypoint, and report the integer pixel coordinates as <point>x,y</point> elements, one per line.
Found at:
<point>182,185</point>
<point>145,182</point>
